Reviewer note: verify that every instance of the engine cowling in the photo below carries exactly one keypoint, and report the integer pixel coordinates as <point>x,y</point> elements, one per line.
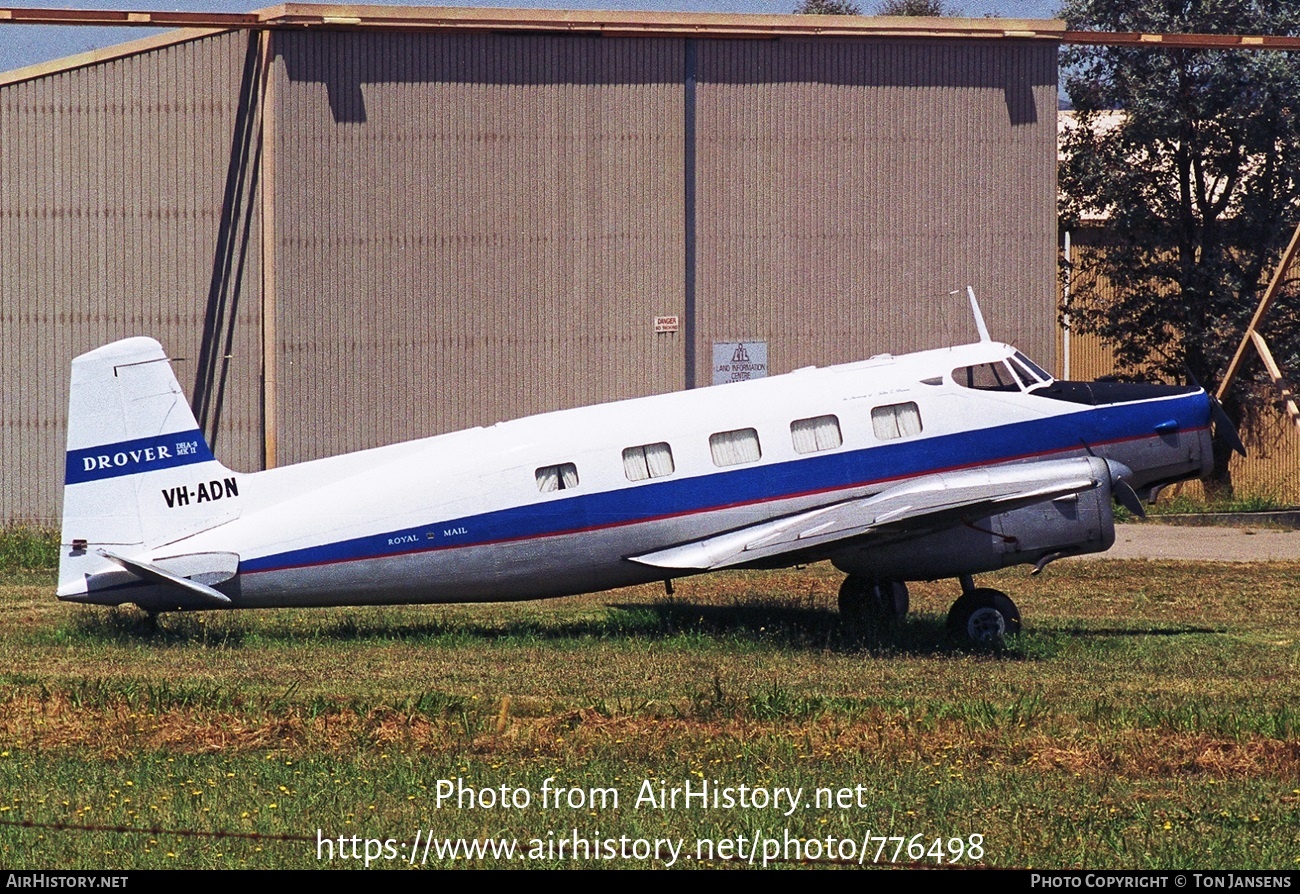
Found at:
<point>1073,525</point>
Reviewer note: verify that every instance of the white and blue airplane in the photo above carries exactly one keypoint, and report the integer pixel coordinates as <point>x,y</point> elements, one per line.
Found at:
<point>938,464</point>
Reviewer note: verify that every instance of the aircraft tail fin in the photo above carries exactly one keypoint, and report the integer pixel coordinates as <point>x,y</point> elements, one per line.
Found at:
<point>139,473</point>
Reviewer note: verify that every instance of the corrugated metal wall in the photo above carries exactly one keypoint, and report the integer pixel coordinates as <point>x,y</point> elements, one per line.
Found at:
<point>476,227</point>
<point>125,209</point>
<point>472,227</point>
<point>847,187</point>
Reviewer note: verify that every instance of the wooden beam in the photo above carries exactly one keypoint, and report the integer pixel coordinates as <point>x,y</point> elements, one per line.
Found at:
<point>1279,276</point>
<point>1274,373</point>
<point>121,17</point>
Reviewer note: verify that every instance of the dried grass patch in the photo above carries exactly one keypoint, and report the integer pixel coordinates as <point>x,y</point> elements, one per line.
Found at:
<point>53,724</point>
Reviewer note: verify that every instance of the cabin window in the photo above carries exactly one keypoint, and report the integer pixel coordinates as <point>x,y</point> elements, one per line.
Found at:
<point>731,448</point>
<point>648,461</point>
<point>986,377</point>
<point>816,434</point>
<point>561,477</point>
<point>896,421</point>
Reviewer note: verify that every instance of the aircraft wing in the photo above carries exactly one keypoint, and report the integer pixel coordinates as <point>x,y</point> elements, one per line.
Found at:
<point>919,503</point>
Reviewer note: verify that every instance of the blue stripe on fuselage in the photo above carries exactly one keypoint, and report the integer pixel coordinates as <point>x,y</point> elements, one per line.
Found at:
<point>813,474</point>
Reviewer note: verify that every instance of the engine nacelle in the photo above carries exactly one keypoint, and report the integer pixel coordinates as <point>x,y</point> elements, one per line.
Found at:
<point>1069,526</point>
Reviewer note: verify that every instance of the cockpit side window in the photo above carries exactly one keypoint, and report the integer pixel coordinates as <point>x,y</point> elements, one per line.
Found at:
<point>986,377</point>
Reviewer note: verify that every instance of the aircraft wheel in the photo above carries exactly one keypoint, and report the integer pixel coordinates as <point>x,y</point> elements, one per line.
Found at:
<point>868,603</point>
<point>984,616</point>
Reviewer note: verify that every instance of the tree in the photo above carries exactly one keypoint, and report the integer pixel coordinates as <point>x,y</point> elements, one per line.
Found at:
<point>1192,160</point>
<point>887,8</point>
<point>828,8</point>
<point>914,8</point>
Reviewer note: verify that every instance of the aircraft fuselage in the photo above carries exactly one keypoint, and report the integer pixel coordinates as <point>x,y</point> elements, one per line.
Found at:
<point>574,501</point>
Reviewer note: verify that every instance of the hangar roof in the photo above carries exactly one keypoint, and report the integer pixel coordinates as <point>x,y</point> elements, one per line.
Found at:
<point>590,22</point>
<point>704,24</point>
<point>298,16</point>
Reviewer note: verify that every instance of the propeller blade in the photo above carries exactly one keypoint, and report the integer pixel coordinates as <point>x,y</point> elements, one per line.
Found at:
<point>1127,497</point>
<point>1121,491</point>
<point>1223,427</point>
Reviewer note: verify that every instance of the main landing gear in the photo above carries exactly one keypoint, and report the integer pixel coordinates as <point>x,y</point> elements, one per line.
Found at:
<point>982,615</point>
<point>869,603</point>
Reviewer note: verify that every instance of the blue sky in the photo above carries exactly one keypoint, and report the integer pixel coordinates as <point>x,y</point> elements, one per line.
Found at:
<point>22,45</point>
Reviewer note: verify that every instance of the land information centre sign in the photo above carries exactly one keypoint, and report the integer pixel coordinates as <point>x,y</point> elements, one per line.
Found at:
<point>739,361</point>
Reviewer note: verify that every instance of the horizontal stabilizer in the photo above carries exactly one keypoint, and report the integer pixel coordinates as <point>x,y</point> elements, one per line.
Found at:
<point>923,503</point>
<point>216,566</point>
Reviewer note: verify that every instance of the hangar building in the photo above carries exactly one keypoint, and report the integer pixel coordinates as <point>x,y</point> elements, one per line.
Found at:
<point>351,230</point>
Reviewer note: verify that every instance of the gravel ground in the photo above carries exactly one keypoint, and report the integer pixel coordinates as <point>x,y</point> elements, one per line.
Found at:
<point>1152,541</point>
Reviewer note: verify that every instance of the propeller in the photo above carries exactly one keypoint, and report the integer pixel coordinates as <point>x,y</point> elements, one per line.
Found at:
<point>1120,490</point>
<point>1223,427</point>
<point>1224,430</point>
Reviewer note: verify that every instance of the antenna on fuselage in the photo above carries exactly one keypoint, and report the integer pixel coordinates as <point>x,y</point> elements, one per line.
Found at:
<point>979,317</point>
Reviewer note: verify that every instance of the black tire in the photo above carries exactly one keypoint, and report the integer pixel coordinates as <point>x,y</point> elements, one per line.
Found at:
<point>871,603</point>
<point>984,616</point>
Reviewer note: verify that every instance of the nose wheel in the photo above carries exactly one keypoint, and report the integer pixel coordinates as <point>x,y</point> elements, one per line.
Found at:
<point>984,616</point>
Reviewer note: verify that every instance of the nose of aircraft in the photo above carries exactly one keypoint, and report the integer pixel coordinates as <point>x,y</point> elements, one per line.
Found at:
<point>1182,417</point>
<point>1205,415</point>
<point>1202,413</point>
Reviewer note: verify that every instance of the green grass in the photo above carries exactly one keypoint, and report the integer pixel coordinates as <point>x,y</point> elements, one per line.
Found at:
<point>24,546</point>
<point>1187,504</point>
<point>1145,718</point>
<point>1242,501</point>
